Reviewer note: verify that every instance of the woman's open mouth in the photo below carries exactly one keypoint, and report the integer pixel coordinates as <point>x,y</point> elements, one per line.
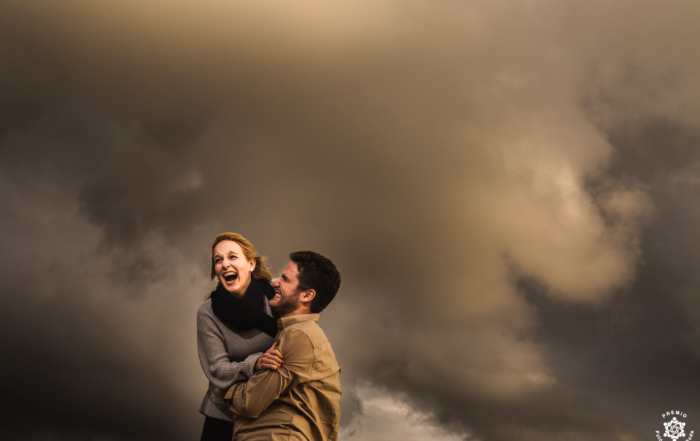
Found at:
<point>230,277</point>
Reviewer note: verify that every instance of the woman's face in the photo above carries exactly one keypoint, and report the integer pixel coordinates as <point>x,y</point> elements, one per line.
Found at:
<point>232,268</point>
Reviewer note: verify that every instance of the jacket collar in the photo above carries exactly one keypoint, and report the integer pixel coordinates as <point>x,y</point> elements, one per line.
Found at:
<point>285,322</point>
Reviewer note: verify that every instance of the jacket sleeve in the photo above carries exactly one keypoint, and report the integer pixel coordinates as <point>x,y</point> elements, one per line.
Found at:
<point>249,400</point>
<point>214,358</point>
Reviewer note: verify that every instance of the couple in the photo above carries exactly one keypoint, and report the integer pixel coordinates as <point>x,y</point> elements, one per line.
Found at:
<point>269,379</point>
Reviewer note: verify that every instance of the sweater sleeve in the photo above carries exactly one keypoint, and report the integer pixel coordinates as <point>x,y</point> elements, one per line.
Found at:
<point>214,358</point>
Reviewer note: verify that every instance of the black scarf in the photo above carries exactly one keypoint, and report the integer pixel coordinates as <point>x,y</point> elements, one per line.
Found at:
<point>248,312</point>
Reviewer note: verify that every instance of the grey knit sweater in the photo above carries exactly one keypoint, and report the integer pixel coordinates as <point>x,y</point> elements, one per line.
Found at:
<point>227,356</point>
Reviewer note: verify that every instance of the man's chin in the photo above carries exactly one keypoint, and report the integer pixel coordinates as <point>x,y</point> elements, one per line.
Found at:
<point>283,309</point>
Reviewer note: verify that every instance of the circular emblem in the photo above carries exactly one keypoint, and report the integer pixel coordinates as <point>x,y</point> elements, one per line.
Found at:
<point>674,428</point>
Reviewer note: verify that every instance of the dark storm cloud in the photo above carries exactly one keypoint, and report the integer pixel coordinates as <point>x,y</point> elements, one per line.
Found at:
<point>506,188</point>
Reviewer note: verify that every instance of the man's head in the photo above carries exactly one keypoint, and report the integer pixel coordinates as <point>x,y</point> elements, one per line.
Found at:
<point>307,285</point>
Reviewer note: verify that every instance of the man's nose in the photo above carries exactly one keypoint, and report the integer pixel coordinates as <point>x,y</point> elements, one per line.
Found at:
<point>276,283</point>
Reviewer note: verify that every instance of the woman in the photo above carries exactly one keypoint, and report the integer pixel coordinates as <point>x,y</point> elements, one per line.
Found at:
<point>234,326</point>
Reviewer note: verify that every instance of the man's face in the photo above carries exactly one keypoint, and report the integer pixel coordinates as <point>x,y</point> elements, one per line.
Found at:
<point>286,299</point>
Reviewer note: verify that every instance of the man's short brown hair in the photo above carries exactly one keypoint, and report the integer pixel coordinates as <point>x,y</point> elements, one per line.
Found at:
<point>316,272</point>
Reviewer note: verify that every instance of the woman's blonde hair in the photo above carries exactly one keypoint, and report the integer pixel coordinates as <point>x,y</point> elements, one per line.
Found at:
<point>260,271</point>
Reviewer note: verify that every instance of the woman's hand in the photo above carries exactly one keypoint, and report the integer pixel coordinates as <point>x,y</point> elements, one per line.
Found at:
<point>271,359</point>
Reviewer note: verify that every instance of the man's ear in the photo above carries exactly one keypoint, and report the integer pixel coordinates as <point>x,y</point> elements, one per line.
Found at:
<point>308,296</point>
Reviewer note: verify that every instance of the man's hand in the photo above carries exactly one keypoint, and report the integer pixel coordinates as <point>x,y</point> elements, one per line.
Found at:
<point>271,359</point>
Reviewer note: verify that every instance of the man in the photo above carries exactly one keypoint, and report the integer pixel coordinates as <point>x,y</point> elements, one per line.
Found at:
<point>301,399</point>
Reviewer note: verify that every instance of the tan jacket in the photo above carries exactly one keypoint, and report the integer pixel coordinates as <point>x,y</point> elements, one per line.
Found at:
<point>300,400</point>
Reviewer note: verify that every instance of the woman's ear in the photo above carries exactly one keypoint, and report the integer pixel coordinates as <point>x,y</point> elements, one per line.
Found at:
<point>252,265</point>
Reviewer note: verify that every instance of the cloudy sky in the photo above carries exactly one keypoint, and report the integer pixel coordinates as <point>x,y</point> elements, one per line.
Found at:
<point>511,190</point>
